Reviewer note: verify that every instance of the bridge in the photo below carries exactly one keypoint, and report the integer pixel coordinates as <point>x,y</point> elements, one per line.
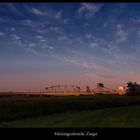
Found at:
<point>76,90</point>
<point>102,90</point>
<point>63,89</point>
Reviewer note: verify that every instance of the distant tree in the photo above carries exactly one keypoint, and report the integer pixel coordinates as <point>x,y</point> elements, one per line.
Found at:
<point>130,88</point>
<point>78,89</point>
<point>133,88</point>
<point>88,89</point>
<point>100,85</point>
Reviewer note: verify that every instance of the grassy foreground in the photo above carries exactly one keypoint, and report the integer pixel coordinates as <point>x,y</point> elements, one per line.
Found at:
<point>71,110</point>
<point>104,118</point>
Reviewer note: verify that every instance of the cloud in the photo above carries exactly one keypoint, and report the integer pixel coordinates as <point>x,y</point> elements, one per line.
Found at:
<point>39,36</point>
<point>46,46</point>
<point>35,52</point>
<point>41,31</point>
<point>89,36</point>
<point>77,58</point>
<point>39,49</point>
<point>13,9</point>
<point>92,75</point>
<point>79,40</point>
<point>38,12</point>
<point>56,29</point>
<point>12,28</point>
<point>100,76</point>
<point>16,37</point>
<point>66,39</point>
<point>86,24</point>
<point>49,13</point>
<point>66,20</point>
<point>2,33</point>
<point>43,40</point>
<point>58,15</point>
<point>138,33</point>
<point>106,76</point>
<point>93,45</point>
<point>18,40</point>
<point>35,44</point>
<point>2,20</point>
<point>26,22</point>
<point>105,24</point>
<point>82,62</point>
<point>111,47</point>
<point>31,24</point>
<point>60,38</point>
<point>120,34</point>
<point>32,45</point>
<point>89,9</point>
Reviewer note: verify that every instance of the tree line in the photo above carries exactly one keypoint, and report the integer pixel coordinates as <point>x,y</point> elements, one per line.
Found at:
<point>133,88</point>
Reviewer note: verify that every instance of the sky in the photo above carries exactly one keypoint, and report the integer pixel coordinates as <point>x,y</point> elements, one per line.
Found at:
<point>44,44</point>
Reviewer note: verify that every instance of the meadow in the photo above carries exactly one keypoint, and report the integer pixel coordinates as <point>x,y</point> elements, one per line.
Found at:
<point>70,111</point>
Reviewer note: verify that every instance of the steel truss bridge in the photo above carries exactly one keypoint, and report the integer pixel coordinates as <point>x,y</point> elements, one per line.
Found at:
<point>101,90</point>
<point>63,89</point>
<point>75,90</point>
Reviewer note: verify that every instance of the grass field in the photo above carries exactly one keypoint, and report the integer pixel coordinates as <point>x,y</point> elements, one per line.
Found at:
<point>71,111</point>
<point>105,118</point>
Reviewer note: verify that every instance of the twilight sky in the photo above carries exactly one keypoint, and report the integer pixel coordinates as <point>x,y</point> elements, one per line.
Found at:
<point>43,44</point>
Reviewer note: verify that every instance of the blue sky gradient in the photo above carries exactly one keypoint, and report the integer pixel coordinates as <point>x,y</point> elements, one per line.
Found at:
<point>42,44</point>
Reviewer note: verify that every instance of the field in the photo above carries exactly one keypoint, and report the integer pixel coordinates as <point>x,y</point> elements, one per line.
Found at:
<point>71,111</point>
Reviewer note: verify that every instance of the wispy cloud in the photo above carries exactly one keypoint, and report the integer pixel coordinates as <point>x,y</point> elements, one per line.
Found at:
<point>86,24</point>
<point>93,44</point>
<point>16,37</point>
<point>2,20</point>
<point>111,47</point>
<point>58,15</point>
<point>65,38</point>
<point>89,9</point>
<point>92,75</point>
<point>79,40</point>
<point>56,29</point>
<point>49,13</point>
<point>82,62</point>
<point>46,46</point>
<point>35,52</point>
<point>12,28</point>
<point>78,59</point>
<point>138,33</point>
<point>60,38</point>
<point>43,40</point>
<point>105,25</point>
<point>89,36</point>
<point>66,20</point>
<point>39,12</point>
<point>13,9</point>
<point>100,76</point>
<point>2,33</point>
<point>29,23</point>
<point>120,34</point>
<point>18,40</point>
<point>39,36</point>
<point>31,45</point>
